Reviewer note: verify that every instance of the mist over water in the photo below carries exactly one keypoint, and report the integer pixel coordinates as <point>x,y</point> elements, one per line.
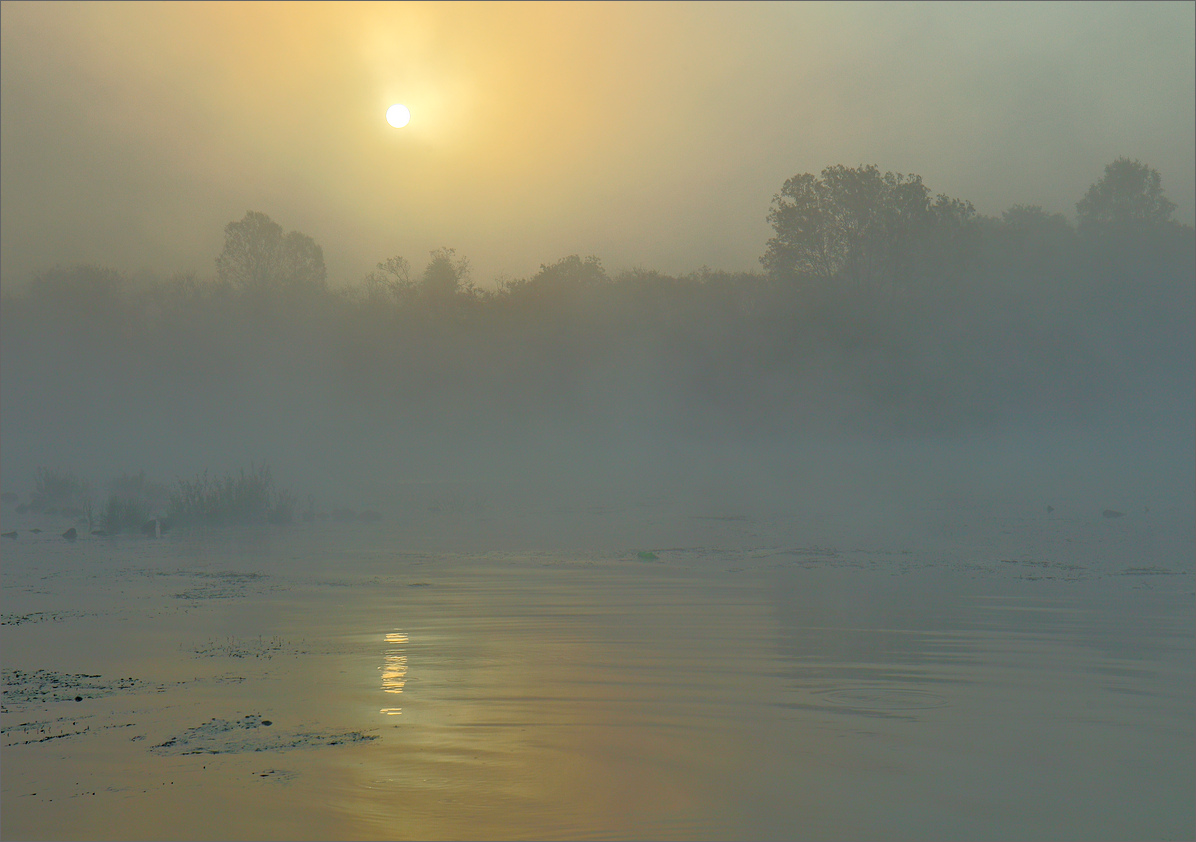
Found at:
<point>748,383</point>
<point>832,477</point>
<point>871,544</point>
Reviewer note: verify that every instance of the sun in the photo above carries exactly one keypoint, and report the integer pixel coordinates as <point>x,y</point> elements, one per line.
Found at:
<point>398,115</point>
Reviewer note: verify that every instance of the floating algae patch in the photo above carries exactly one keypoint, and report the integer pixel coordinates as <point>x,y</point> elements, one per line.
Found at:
<point>39,686</point>
<point>225,585</point>
<point>258,648</point>
<point>38,617</point>
<point>251,733</point>
<point>62,728</point>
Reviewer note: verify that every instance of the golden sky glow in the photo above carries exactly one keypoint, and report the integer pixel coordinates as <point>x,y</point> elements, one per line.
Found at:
<point>649,134</point>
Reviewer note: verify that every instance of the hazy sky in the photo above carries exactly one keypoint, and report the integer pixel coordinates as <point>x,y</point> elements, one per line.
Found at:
<point>647,134</point>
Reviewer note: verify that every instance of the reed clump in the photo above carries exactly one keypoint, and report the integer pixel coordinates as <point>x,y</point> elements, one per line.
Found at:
<point>244,496</point>
<point>132,502</point>
<point>121,514</point>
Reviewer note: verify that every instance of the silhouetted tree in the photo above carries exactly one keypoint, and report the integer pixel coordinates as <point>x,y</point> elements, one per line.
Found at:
<point>1139,266</point>
<point>568,275</point>
<point>446,274</point>
<point>1128,197</point>
<point>259,259</point>
<point>951,242</point>
<point>572,271</point>
<point>391,278</point>
<point>866,229</point>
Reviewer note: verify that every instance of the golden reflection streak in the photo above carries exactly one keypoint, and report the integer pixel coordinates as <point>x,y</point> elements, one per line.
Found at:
<point>394,669</point>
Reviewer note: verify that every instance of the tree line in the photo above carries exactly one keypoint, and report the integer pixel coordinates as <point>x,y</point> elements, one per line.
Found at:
<point>851,227</point>
<point>877,300</point>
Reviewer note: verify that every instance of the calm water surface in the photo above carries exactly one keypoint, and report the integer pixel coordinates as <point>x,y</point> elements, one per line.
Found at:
<point>760,678</point>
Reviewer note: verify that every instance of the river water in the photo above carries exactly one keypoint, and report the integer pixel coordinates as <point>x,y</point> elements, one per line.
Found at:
<point>609,666</point>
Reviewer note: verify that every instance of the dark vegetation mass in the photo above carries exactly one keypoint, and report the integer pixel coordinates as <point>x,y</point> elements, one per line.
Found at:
<point>134,503</point>
<point>881,309</point>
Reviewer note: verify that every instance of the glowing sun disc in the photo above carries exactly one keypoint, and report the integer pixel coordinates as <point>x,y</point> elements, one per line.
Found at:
<point>398,115</point>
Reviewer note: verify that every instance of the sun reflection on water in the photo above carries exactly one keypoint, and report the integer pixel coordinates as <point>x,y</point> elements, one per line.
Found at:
<point>394,668</point>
